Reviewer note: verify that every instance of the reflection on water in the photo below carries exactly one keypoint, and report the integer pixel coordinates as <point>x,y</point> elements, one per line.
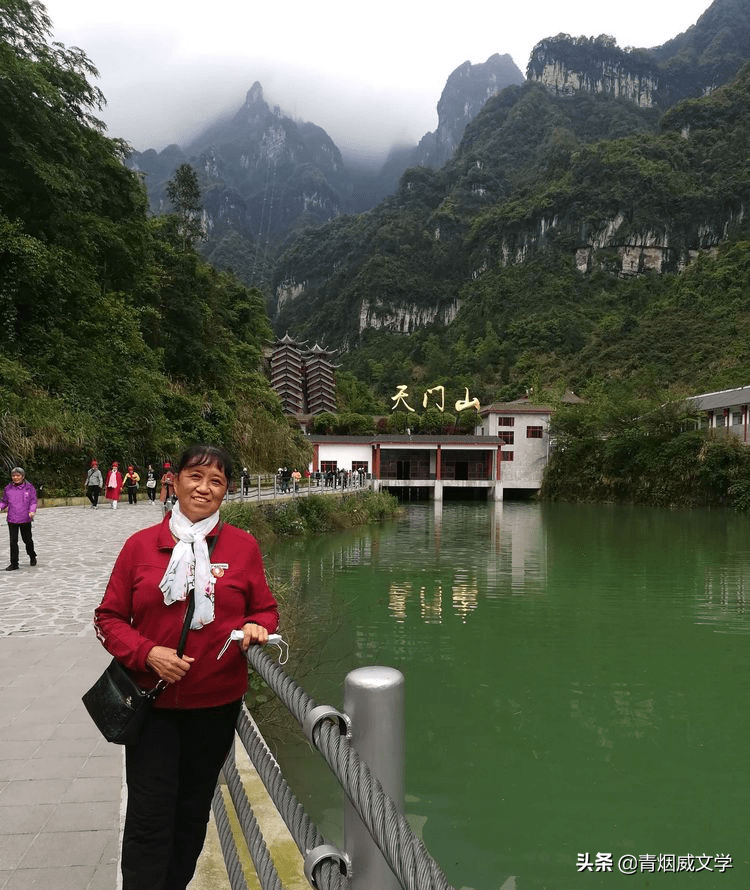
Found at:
<point>463,598</point>
<point>518,543</point>
<point>505,555</point>
<point>725,594</point>
<point>575,680</point>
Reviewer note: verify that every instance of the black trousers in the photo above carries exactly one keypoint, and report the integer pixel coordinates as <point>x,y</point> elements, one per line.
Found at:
<point>132,494</point>
<point>25,528</point>
<point>92,493</point>
<point>171,775</point>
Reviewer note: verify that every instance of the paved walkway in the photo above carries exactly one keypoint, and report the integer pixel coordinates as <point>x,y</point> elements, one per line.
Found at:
<point>60,782</point>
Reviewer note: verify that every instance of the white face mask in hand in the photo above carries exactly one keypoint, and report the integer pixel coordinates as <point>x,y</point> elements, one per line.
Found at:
<point>273,640</point>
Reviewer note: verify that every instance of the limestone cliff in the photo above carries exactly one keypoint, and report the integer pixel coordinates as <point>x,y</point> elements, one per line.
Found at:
<point>564,65</point>
<point>695,63</point>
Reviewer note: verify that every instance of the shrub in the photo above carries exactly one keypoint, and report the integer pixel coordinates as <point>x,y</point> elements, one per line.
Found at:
<point>315,514</point>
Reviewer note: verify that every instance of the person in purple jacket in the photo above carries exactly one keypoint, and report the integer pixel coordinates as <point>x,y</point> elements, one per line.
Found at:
<point>19,499</point>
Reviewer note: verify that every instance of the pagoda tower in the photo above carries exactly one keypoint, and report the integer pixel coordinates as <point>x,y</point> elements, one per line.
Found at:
<point>320,381</point>
<point>287,366</point>
<point>303,378</point>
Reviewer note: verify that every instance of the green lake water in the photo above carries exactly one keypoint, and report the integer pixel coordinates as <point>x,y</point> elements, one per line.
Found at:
<point>576,683</point>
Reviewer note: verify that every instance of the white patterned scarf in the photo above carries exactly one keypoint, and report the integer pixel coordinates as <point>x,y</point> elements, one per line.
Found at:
<point>190,565</point>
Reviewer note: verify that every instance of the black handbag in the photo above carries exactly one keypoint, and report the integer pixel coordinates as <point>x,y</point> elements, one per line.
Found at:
<point>118,705</point>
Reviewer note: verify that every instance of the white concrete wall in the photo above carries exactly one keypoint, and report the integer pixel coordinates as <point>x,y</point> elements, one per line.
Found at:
<point>529,455</point>
<point>344,455</point>
<point>529,461</point>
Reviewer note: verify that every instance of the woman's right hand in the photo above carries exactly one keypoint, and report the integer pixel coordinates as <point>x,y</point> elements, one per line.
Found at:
<point>167,665</point>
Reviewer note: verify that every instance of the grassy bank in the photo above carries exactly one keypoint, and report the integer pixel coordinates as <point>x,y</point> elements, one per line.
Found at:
<point>301,628</point>
<point>315,514</point>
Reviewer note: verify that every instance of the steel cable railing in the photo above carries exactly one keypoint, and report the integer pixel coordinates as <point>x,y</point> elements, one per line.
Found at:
<point>256,845</point>
<point>226,839</point>
<point>402,850</point>
<point>304,832</point>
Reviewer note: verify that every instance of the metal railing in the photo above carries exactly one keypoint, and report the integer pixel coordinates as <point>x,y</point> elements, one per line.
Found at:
<point>404,859</point>
<point>259,487</point>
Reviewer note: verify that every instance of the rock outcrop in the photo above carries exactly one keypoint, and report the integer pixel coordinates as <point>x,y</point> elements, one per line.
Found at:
<point>565,65</point>
<point>466,91</point>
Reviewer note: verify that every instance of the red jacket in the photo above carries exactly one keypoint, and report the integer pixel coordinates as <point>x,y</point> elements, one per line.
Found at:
<point>113,493</point>
<point>132,617</point>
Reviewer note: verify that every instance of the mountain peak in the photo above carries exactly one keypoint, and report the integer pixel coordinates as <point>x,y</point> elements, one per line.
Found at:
<point>465,93</point>
<point>255,95</point>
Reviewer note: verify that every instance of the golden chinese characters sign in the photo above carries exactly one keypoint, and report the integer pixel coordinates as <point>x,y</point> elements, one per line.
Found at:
<point>438,397</point>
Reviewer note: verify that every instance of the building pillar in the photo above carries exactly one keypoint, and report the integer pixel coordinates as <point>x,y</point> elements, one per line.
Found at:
<point>316,457</point>
<point>499,464</point>
<point>438,465</point>
<point>376,461</point>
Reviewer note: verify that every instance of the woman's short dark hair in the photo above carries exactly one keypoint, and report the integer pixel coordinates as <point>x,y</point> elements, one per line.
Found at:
<point>206,456</point>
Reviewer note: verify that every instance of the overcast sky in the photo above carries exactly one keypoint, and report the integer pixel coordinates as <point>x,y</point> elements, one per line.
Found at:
<point>371,76</point>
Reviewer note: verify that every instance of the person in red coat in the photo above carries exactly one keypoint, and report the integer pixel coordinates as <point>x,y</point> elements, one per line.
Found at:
<point>113,484</point>
<point>171,772</point>
<point>167,483</point>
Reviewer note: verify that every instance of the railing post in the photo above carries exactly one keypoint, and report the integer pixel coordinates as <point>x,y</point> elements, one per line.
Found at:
<point>374,701</point>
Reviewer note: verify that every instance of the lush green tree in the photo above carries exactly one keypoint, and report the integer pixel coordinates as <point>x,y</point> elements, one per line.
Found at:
<point>353,424</point>
<point>619,447</point>
<point>356,396</point>
<point>399,421</point>
<point>324,423</point>
<point>433,420</point>
<point>184,194</point>
<point>118,341</point>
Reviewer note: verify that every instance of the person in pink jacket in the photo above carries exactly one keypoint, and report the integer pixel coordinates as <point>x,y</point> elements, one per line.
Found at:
<point>113,484</point>
<point>19,499</point>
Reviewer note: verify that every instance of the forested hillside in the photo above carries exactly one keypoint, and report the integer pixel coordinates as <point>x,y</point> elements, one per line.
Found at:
<point>571,239</point>
<point>572,242</point>
<point>118,341</point>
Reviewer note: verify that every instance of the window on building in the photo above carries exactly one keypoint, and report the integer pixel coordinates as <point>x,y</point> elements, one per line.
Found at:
<point>505,456</point>
<point>327,466</point>
<point>359,465</point>
<point>534,432</point>
<point>506,421</point>
<point>736,418</point>
<point>506,437</point>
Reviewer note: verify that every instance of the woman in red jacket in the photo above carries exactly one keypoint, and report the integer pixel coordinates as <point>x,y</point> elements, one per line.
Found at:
<point>172,771</point>
<point>113,484</point>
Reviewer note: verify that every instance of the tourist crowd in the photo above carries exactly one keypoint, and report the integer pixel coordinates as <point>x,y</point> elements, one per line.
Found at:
<point>113,481</point>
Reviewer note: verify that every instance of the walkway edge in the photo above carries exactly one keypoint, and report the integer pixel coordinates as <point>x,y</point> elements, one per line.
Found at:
<point>211,872</point>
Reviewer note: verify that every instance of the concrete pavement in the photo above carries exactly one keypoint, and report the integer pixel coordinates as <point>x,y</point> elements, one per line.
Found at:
<point>60,782</point>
